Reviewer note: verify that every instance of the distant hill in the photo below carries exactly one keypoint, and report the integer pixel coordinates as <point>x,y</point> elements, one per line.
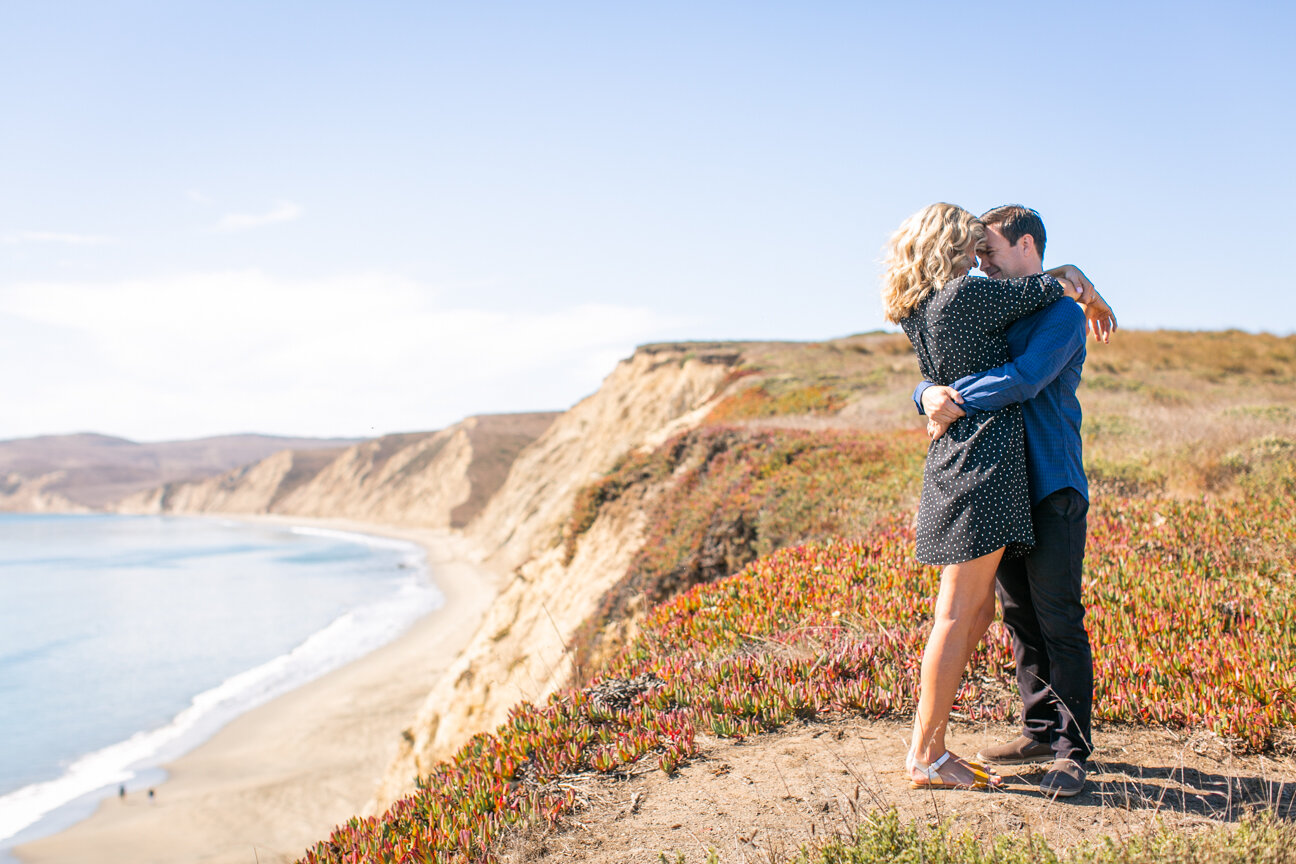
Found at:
<point>87,470</point>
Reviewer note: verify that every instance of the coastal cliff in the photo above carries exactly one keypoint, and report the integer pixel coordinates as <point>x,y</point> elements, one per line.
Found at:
<point>522,649</point>
<point>21,494</point>
<point>426,479</point>
<point>507,484</point>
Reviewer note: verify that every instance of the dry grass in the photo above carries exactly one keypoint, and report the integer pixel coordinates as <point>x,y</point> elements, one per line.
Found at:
<point>1166,412</point>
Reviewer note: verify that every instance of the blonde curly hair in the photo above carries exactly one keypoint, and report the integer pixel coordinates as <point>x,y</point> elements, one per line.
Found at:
<point>928,250</point>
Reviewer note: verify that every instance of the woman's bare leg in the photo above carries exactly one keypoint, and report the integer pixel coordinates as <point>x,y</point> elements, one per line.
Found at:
<point>966,592</point>
<point>981,624</point>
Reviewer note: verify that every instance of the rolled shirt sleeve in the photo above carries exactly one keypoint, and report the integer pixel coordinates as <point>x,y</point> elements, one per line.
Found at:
<point>918,394</point>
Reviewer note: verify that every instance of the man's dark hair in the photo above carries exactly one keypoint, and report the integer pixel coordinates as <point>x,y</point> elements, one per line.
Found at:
<point>1014,222</point>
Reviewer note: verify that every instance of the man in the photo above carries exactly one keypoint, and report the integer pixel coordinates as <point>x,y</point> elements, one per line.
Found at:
<point>1041,593</point>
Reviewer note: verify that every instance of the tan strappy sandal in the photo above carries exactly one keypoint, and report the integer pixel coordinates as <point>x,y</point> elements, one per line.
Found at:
<point>935,781</point>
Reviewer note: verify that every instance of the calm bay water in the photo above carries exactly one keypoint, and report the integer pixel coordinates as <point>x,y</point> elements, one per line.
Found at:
<point>127,640</point>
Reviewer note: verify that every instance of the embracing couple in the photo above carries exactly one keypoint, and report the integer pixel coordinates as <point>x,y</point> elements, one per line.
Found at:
<point>1004,495</point>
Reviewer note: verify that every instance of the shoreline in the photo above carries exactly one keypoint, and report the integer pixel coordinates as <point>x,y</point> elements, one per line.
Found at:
<point>279,777</point>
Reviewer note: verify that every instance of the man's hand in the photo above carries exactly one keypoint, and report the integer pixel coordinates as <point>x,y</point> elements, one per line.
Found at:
<point>1100,317</point>
<point>941,404</point>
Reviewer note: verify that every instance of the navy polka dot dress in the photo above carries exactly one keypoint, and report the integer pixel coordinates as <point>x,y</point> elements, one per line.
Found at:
<point>975,495</point>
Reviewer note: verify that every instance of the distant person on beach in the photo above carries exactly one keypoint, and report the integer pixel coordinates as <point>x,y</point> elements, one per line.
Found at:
<point>1040,593</point>
<point>975,506</point>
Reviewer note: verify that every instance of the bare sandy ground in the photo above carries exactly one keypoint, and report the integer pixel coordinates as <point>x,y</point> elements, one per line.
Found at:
<point>277,779</point>
<point>761,799</point>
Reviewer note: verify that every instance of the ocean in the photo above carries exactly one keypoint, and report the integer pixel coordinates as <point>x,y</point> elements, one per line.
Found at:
<point>125,641</point>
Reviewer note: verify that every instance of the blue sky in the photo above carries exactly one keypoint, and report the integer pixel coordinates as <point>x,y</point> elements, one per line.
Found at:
<point>355,218</point>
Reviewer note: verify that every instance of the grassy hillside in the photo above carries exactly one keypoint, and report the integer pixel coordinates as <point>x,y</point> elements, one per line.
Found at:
<point>734,494</point>
<point>801,485</point>
<point>1165,411</point>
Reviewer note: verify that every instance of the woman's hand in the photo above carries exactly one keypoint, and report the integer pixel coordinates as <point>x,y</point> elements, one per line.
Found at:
<point>942,403</point>
<point>1100,318</point>
<point>1073,274</point>
<point>936,428</point>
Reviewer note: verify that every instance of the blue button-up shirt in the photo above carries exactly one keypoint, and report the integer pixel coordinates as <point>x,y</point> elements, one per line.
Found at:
<point>1048,350</point>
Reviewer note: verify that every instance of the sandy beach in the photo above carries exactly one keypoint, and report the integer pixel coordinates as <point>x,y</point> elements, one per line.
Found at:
<point>277,779</point>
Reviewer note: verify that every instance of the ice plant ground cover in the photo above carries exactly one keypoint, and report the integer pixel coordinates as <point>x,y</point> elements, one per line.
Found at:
<point>1191,603</point>
<point>732,495</point>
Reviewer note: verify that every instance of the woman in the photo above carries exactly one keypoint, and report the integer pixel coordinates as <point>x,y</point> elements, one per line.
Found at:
<point>975,501</point>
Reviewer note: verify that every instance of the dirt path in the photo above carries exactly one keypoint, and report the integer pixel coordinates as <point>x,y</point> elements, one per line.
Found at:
<point>760,799</point>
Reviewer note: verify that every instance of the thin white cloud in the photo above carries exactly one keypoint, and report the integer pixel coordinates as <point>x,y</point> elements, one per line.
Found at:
<point>209,353</point>
<point>197,196</point>
<point>55,237</point>
<point>282,211</point>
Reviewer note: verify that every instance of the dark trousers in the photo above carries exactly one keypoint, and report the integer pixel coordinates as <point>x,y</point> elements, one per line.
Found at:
<point>1044,612</point>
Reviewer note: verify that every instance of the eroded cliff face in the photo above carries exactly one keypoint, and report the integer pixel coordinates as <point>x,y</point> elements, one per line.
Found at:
<point>658,389</point>
<point>521,650</point>
<point>426,479</point>
<point>397,479</point>
<point>250,489</point>
<point>19,494</point>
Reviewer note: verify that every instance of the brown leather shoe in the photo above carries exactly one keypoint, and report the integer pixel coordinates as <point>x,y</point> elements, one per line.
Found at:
<point>1064,779</point>
<point>1022,750</point>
